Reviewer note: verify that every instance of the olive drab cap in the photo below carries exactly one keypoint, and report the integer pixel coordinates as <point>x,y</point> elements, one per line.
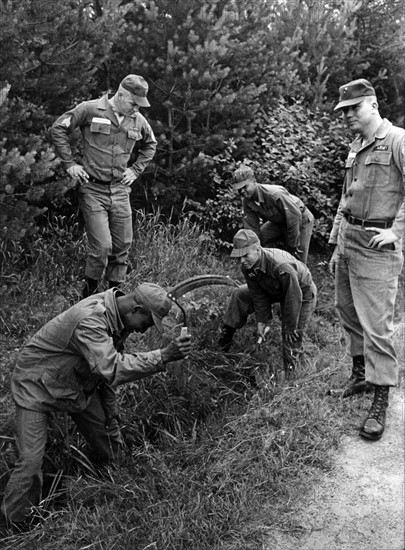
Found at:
<point>242,176</point>
<point>138,87</point>
<point>243,241</point>
<point>155,298</point>
<point>354,92</point>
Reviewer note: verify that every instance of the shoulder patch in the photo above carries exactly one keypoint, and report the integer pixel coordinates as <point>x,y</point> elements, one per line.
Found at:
<point>66,122</point>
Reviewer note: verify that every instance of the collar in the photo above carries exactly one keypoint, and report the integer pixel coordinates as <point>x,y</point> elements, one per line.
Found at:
<point>111,310</point>
<point>105,103</point>
<point>380,133</point>
<point>260,194</point>
<point>383,129</point>
<point>113,106</point>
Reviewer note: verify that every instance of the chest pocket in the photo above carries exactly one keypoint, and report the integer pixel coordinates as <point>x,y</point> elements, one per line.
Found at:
<point>133,136</point>
<point>98,126</point>
<point>378,164</point>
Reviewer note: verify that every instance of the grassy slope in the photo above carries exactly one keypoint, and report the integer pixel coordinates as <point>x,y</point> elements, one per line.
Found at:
<point>219,449</point>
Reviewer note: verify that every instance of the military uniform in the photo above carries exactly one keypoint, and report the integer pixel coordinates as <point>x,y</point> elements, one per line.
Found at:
<point>367,278</point>
<point>71,365</point>
<point>108,144</point>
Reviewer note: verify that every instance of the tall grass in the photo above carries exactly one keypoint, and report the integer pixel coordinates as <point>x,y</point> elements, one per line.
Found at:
<point>219,448</point>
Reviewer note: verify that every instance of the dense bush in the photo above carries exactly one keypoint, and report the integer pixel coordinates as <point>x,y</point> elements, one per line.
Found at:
<point>221,74</point>
<point>291,146</point>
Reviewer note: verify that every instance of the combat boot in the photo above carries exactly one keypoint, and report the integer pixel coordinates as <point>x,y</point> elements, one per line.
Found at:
<point>225,338</point>
<point>374,425</point>
<point>357,381</point>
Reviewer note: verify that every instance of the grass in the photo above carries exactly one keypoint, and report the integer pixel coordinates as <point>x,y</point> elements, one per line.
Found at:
<point>219,449</point>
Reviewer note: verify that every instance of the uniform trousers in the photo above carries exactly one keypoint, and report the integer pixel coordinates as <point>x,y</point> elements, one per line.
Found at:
<point>24,488</point>
<point>107,216</point>
<point>366,284</point>
<point>241,306</point>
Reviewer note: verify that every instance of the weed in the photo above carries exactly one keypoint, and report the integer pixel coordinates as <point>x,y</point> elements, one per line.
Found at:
<point>218,449</point>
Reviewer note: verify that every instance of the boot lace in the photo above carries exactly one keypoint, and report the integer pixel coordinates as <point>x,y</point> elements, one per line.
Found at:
<point>378,406</point>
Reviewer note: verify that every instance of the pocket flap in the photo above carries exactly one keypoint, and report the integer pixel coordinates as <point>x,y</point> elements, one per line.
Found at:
<point>134,133</point>
<point>100,125</point>
<point>379,157</point>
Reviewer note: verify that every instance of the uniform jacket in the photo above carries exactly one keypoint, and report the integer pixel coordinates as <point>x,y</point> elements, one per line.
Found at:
<point>64,362</point>
<point>279,277</point>
<point>374,186</point>
<point>275,204</point>
<point>107,145</point>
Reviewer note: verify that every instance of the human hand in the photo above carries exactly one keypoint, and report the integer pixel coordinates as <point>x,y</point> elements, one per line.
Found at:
<point>333,262</point>
<point>291,337</point>
<point>128,177</point>
<point>77,172</point>
<point>177,349</point>
<point>384,236</point>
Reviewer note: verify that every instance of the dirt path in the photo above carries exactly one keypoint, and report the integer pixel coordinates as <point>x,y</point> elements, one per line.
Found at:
<point>360,505</point>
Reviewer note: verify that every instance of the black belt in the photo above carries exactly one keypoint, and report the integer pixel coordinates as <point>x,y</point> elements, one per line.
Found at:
<point>100,182</point>
<point>381,224</point>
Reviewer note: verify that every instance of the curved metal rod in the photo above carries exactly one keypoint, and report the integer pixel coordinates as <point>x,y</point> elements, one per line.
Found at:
<point>174,300</point>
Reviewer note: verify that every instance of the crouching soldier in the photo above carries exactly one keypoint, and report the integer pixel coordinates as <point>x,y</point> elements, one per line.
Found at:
<point>272,276</point>
<point>72,365</point>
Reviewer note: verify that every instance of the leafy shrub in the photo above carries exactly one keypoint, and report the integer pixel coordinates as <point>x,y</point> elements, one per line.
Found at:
<point>290,146</point>
<point>28,168</point>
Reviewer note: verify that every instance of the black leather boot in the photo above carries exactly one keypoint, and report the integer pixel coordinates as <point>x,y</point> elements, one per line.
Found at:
<point>225,338</point>
<point>357,381</point>
<point>374,425</point>
<point>90,287</point>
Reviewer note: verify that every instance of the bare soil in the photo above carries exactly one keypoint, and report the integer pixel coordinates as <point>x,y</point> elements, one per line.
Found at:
<point>359,505</point>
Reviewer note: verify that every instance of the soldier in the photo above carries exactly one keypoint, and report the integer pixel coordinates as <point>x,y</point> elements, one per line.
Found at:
<point>73,365</point>
<point>272,276</point>
<point>113,130</point>
<point>367,235</point>
<point>274,214</point>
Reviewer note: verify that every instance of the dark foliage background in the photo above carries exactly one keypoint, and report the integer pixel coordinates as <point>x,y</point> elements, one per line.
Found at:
<point>230,81</point>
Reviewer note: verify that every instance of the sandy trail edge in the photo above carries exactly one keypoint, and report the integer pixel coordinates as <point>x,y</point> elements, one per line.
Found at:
<point>360,504</point>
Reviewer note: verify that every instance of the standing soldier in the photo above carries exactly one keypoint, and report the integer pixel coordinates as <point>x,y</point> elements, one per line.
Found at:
<point>368,231</point>
<point>113,130</point>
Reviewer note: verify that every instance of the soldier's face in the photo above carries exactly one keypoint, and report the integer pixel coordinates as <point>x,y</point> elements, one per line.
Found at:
<point>137,320</point>
<point>250,258</point>
<point>248,190</point>
<point>359,117</point>
<point>125,103</point>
